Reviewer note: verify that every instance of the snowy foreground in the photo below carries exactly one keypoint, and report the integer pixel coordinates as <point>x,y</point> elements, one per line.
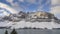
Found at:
<point>22,24</point>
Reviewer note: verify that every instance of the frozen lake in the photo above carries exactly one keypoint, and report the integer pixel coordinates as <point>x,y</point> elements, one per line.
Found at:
<point>33,31</point>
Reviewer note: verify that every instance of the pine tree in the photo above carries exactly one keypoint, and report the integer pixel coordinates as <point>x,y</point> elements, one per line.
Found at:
<point>13,31</point>
<point>6,32</point>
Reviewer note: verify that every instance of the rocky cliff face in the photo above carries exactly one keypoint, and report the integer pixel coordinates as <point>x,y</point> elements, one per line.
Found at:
<point>33,16</point>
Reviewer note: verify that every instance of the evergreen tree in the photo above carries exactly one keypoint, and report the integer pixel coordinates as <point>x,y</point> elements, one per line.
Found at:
<point>6,32</point>
<point>13,31</point>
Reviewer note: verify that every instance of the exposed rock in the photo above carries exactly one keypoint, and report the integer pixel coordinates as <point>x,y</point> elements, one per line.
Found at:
<point>39,16</point>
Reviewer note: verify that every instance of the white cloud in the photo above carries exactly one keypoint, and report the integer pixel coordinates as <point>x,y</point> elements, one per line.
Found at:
<point>40,7</point>
<point>10,1</point>
<point>55,9</point>
<point>21,0</point>
<point>15,5</point>
<point>54,2</point>
<point>7,8</point>
<point>31,1</point>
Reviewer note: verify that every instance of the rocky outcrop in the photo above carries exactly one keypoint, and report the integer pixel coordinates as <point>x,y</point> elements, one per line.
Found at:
<point>39,16</point>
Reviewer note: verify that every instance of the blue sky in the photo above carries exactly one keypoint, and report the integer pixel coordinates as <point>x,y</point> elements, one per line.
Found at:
<point>52,6</point>
<point>28,5</point>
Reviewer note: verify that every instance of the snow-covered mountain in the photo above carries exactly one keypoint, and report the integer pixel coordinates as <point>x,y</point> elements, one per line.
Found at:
<point>9,18</point>
<point>37,19</point>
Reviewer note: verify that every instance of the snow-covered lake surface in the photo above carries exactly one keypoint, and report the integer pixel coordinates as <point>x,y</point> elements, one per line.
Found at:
<point>22,24</point>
